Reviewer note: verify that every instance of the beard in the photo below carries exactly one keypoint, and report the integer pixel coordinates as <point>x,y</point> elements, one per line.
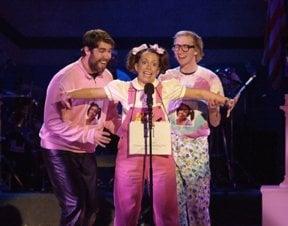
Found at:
<point>96,66</point>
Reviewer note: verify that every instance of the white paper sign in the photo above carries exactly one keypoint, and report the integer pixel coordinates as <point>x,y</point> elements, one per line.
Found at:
<point>161,138</point>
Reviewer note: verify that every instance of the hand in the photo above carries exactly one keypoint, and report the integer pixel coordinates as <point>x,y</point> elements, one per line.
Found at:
<point>216,101</point>
<point>213,105</point>
<point>65,99</point>
<point>230,104</point>
<point>102,138</point>
<point>110,126</point>
<point>214,114</point>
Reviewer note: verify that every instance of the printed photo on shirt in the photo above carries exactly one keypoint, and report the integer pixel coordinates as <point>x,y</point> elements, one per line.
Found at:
<point>190,118</point>
<point>184,115</point>
<point>93,114</point>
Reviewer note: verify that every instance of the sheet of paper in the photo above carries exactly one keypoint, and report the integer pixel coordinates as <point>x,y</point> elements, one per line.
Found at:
<point>161,138</point>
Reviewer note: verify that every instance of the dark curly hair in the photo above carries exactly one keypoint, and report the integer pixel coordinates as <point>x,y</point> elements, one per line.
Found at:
<point>134,59</point>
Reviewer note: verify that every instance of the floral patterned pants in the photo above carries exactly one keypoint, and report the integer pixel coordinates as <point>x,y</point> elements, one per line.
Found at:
<point>193,180</point>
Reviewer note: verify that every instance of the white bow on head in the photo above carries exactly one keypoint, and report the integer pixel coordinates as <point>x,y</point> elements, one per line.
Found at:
<point>158,49</point>
<point>137,49</point>
<point>155,47</point>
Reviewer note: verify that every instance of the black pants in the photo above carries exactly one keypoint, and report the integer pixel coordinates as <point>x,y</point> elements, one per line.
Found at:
<point>74,180</point>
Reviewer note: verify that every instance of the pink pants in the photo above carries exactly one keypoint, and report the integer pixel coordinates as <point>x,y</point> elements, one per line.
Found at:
<point>130,174</point>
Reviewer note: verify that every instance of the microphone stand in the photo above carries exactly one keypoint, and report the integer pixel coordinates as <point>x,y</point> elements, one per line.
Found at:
<point>231,161</point>
<point>150,160</point>
<point>149,90</point>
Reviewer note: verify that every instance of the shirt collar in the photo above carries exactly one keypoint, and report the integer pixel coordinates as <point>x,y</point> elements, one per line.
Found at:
<point>85,72</point>
<point>138,86</point>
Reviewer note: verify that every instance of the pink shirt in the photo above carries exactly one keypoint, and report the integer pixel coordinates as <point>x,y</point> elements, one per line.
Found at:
<point>69,130</point>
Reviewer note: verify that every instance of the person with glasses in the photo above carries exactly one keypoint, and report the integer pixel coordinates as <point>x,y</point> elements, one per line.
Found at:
<point>68,142</point>
<point>190,142</point>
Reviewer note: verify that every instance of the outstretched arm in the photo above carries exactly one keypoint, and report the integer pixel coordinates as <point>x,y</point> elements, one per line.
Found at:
<point>88,93</point>
<point>85,93</point>
<point>213,99</point>
<point>201,94</point>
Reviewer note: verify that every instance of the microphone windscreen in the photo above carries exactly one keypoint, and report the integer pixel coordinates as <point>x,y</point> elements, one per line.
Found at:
<point>149,88</point>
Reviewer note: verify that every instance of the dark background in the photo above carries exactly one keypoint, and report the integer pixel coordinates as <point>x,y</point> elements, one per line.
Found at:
<point>37,38</point>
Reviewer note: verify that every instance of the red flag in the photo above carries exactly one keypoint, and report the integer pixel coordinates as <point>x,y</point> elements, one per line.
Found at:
<point>274,56</point>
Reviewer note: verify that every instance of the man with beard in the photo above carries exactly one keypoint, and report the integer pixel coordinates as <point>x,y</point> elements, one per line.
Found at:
<point>69,143</point>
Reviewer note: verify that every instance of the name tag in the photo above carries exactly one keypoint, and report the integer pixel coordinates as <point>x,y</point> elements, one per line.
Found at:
<point>161,138</point>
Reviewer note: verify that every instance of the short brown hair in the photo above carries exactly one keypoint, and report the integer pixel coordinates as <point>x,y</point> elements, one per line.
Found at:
<point>92,38</point>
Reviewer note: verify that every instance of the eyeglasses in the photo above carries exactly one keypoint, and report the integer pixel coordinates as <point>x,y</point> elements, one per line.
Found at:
<point>184,48</point>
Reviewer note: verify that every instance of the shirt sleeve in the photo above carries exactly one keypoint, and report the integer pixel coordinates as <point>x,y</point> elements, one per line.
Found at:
<point>173,89</point>
<point>216,86</point>
<point>117,90</point>
<point>167,76</point>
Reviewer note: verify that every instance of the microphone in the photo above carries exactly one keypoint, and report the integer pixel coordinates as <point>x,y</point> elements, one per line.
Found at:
<point>149,90</point>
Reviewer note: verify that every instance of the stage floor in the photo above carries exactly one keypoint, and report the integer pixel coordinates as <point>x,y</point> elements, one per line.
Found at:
<point>229,207</point>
